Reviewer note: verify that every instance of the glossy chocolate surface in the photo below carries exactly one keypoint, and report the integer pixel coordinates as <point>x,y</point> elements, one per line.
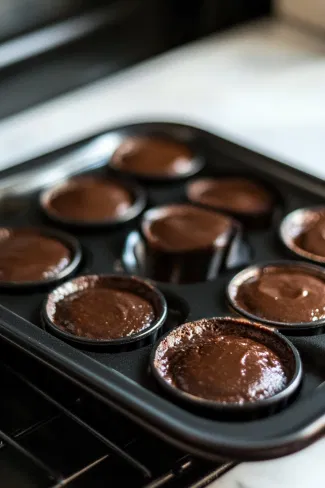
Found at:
<point>312,237</point>
<point>181,228</point>
<point>27,255</point>
<point>283,294</point>
<point>239,195</point>
<point>89,199</point>
<point>229,369</point>
<point>153,156</point>
<point>103,313</point>
<point>224,360</point>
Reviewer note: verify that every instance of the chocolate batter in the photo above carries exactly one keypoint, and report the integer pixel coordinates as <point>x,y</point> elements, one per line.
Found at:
<point>312,238</point>
<point>103,313</point>
<point>178,228</point>
<point>283,295</point>
<point>228,369</point>
<point>238,195</point>
<point>27,255</point>
<point>88,199</point>
<point>153,156</point>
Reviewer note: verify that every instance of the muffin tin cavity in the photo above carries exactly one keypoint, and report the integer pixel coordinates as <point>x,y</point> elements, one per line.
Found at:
<point>288,295</point>
<point>155,157</point>
<point>105,310</point>
<point>34,256</point>
<point>181,243</point>
<point>228,365</point>
<point>248,200</point>
<point>303,233</point>
<point>90,201</point>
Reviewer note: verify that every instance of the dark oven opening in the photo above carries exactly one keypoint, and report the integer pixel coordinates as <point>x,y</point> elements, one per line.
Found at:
<point>53,434</point>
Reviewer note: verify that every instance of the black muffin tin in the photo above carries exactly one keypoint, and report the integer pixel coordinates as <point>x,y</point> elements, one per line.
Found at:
<point>122,378</point>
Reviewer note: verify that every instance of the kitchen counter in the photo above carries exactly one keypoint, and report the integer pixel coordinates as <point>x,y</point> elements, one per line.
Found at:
<point>262,85</point>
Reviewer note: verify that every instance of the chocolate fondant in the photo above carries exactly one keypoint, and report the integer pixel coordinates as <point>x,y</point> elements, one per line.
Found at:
<point>153,156</point>
<point>103,313</point>
<point>181,228</point>
<point>227,364</point>
<point>228,369</point>
<point>238,195</point>
<point>283,294</point>
<point>28,255</point>
<point>312,237</point>
<point>90,199</point>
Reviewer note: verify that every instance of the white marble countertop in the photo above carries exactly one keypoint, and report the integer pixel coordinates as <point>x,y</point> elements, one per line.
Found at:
<point>303,469</point>
<point>262,85</point>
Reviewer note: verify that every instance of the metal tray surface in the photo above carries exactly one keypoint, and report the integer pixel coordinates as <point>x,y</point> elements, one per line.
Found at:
<point>122,379</point>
